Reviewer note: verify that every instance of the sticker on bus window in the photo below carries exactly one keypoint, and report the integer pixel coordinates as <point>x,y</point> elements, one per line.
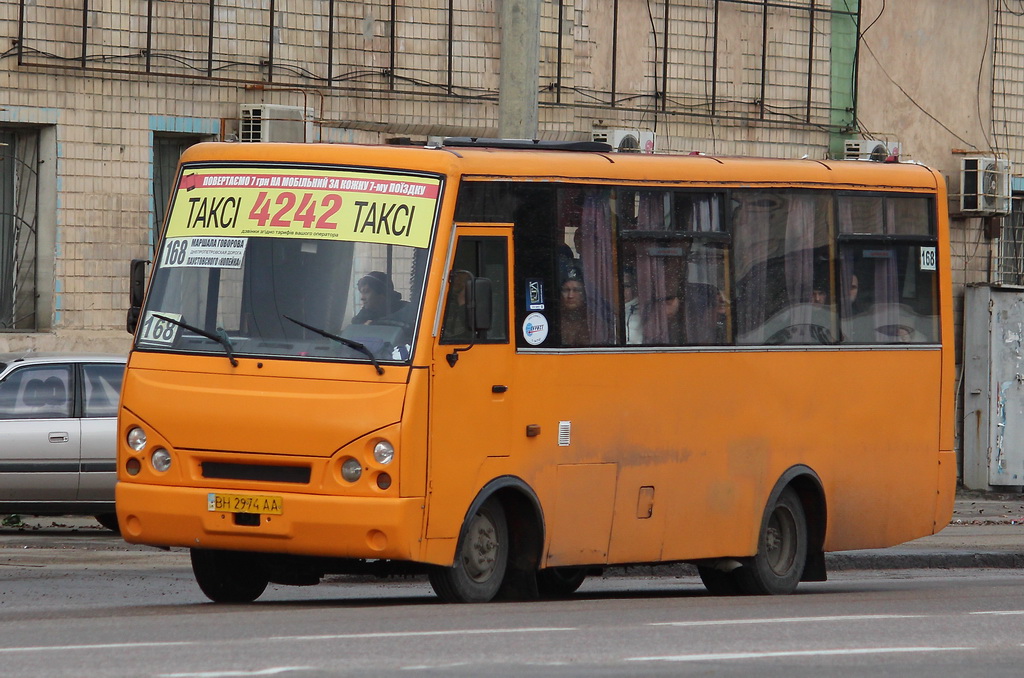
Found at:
<point>534,294</point>
<point>157,330</point>
<point>535,329</point>
<point>203,252</point>
<point>928,262</point>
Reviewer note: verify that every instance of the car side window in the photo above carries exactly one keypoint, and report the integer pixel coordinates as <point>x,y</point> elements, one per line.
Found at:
<point>38,392</point>
<point>102,388</point>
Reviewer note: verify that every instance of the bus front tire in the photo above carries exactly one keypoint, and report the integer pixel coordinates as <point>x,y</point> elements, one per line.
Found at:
<point>781,550</point>
<point>228,576</point>
<point>481,559</point>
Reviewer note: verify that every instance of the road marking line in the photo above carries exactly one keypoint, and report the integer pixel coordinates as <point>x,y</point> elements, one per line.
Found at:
<point>99,646</point>
<point>407,634</point>
<point>338,636</point>
<point>227,674</point>
<point>792,620</point>
<point>1003,612</point>
<point>794,653</point>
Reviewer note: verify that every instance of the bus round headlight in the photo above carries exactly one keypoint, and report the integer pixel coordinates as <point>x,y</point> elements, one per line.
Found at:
<point>137,439</point>
<point>383,452</point>
<point>351,470</point>
<point>161,460</point>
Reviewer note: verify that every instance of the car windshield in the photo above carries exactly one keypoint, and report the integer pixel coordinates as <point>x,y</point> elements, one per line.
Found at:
<point>327,275</point>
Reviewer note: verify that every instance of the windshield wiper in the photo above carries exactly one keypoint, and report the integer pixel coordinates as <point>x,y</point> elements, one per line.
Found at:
<point>220,336</point>
<point>341,340</point>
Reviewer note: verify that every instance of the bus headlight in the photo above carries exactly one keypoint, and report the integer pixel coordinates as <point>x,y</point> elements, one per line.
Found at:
<point>137,439</point>
<point>383,452</point>
<point>161,460</point>
<point>351,470</point>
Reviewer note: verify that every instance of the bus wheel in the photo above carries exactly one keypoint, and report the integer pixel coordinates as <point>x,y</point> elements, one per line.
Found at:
<point>480,559</point>
<point>559,582</point>
<point>719,582</point>
<point>781,550</point>
<point>228,576</point>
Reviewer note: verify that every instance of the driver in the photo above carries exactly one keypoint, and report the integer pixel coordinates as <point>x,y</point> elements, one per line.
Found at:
<point>379,298</point>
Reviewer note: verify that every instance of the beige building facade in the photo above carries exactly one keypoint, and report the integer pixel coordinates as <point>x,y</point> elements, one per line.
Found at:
<point>99,97</point>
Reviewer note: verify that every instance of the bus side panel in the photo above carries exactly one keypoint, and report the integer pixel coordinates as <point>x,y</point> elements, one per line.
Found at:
<point>699,440</point>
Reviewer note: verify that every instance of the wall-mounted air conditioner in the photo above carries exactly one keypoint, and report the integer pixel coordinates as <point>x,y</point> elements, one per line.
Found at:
<point>870,149</point>
<point>626,140</point>
<point>984,185</point>
<point>270,122</point>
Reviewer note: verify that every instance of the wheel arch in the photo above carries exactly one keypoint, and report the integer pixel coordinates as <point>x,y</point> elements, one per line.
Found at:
<point>525,518</point>
<point>808,487</point>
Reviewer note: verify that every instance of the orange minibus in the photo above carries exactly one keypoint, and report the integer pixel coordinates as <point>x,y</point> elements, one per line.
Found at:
<point>508,364</point>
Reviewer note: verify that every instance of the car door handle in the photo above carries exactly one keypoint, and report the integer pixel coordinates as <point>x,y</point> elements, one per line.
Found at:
<point>59,437</point>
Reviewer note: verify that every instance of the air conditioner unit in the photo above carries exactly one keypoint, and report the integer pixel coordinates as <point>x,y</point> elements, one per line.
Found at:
<point>626,140</point>
<point>269,122</point>
<point>984,185</point>
<point>870,149</point>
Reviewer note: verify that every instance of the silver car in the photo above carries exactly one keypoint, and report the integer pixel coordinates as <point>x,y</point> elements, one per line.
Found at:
<point>58,433</point>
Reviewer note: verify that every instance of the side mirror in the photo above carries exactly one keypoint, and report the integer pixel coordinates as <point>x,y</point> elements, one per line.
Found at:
<point>480,304</point>
<point>137,282</point>
<point>136,293</point>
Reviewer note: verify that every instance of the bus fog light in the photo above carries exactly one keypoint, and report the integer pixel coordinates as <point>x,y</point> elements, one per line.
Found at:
<point>133,466</point>
<point>383,452</point>
<point>384,481</point>
<point>351,470</point>
<point>137,439</point>
<point>161,460</point>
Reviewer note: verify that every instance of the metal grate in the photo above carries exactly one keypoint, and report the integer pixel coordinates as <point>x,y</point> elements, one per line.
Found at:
<point>1010,270</point>
<point>564,433</point>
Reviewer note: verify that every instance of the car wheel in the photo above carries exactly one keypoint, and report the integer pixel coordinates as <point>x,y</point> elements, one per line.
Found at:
<point>109,521</point>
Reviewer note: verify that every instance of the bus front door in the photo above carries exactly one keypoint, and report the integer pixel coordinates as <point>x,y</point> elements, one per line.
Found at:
<point>470,421</point>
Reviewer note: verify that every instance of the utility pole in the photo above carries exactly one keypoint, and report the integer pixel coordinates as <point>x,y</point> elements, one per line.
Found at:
<point>520,69</point>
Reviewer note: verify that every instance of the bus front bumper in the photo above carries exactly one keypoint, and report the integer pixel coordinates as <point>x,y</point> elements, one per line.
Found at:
<point>313,525</point>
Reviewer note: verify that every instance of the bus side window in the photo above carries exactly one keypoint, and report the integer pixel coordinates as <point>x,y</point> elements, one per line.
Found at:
<point>476,257</point>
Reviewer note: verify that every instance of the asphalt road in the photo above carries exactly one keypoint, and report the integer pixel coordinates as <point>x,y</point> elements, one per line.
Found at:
<point>82,603</point>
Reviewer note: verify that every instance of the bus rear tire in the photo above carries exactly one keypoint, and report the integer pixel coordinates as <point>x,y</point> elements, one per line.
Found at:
<point>481,559</point>
<point>560,582</point>
<point>781,549</point>
<point>228,576</point>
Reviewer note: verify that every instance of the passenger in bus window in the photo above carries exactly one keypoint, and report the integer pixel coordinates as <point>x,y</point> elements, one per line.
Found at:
<point>631,308</point>
<point>819,295</point>
<point>701,314</point>
<point>379,298</point>
<point>573,307</point>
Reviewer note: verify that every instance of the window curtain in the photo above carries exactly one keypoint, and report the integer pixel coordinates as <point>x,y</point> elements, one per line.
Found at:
<point>752,225</point>
<point>598,261</point>
<point>799,259</point>
<point>650,270</point>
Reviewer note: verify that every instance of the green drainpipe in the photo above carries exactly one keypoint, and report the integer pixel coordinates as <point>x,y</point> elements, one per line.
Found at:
<point>845,28</point>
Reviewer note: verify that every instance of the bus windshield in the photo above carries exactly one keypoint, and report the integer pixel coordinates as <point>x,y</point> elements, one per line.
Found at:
<point>263,271</point>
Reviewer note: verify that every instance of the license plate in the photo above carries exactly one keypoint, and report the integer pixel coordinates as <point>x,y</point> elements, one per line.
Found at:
<point>244,503</point>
